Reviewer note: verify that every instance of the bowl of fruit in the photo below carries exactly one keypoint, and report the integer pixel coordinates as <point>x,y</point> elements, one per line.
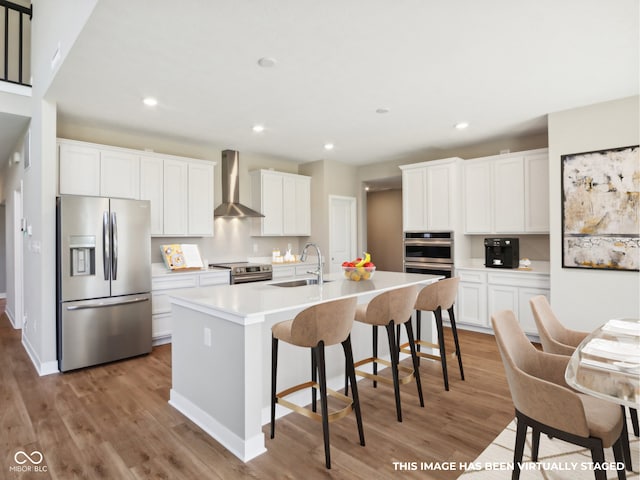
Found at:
<point>362,268</point>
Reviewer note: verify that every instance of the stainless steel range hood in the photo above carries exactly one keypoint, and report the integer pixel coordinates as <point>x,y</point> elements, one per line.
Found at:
<point>231,206</point>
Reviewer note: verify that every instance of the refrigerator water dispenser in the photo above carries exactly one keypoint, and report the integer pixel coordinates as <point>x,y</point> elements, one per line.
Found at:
<point>83,255</point>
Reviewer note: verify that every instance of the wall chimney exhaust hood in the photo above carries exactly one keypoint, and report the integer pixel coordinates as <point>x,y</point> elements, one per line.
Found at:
<point>231,206</point>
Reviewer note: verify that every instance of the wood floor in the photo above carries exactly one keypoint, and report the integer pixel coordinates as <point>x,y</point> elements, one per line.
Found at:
<point>114,422</point>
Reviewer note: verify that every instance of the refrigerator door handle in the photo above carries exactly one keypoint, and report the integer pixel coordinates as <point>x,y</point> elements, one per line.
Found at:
<point>102,305</point>
<point>106,245</point>
<point>114,242</point>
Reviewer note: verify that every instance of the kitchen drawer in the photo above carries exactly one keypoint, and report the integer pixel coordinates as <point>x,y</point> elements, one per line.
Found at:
<point>160,303</point>
<point>519,280</point>
<point>170,282</point>
<point>473,276</point>
<point>217,278</point>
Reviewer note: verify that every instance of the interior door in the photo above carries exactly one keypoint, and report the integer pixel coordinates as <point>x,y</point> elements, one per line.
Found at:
<point>342,231</point>
<point>131,244</point>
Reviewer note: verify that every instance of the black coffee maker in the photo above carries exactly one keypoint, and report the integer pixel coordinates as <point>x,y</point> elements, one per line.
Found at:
<point>501,252</point>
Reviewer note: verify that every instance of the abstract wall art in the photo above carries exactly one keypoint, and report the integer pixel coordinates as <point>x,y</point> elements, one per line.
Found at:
<point>601,209</point>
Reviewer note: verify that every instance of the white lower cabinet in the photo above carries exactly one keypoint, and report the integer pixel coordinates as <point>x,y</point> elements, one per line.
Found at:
<point>161,286</point>
<point>483,293</point>
<point>472,298</point>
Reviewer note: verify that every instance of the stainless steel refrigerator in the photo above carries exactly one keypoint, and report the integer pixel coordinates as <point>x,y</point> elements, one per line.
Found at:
<point>103,280</point>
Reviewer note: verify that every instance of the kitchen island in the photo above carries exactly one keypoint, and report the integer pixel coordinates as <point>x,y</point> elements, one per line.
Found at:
<point>221,351</point>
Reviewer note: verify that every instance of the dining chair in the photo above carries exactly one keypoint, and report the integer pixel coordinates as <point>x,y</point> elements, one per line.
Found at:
<point>544,401</point>
<point>317,327</point>
<point>556,338</point>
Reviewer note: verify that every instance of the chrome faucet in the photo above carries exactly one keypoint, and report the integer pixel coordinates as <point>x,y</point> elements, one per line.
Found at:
<point>303,258</point>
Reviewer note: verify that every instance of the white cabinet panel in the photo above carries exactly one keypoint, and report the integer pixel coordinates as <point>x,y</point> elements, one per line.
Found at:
<point>508,188</point>
<point>472,303</point>
<point>152,189</point>
<point>285,201</point>
<point>441,197</point>
<point>478,206</point>
<point>200,199</point>
<point>507,193</point>
<point>175,202</point>
<point>502,297</point>
<point>429,195</point>
<point>119,174</point>
<point>79,170</point>
<point>536,193</point>
<point>414,199</point>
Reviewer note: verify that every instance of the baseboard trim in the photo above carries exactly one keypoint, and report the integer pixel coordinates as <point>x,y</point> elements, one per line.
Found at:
<point>245,450</point>
<point>46,368</point>
<point>161,340</point>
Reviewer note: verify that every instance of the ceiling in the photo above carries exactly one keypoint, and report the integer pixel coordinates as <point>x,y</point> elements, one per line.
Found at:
<point>500,65</point>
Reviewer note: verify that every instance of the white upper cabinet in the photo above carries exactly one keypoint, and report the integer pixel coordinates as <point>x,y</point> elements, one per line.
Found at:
<point>86,169</point>
<point>152,189</point>
<point>79,170</point>
<point>200,199</point>
<point>176,202</point>
<point>296,217</point>
<point>285,201</point>
<point>429,195</point>
<point>536,193</point>
<point>478,203</point>
<point>180,190</point>
<point>119,174</point>
<point>507,193</point>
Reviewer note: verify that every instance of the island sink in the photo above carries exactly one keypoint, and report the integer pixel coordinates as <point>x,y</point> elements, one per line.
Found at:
<point>298,283</point>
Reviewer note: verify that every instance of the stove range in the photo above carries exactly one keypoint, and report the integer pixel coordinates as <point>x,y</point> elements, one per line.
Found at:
<point>245,272</point>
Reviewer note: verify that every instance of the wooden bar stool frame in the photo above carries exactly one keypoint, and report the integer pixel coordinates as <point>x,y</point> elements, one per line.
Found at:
<point>319,382</point>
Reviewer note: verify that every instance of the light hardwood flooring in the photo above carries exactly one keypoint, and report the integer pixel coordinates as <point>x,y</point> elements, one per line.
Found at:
<point>114,422</point>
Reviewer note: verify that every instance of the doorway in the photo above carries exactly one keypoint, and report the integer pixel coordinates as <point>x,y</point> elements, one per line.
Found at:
<point>342,231</point>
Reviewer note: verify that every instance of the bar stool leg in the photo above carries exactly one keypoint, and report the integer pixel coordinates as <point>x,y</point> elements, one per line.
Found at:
<point>626,450</point>
<point>351,374</point>
<point>319,352</point>
<point>443,354</point>
<point>418,332</point>
<point>414,357</point>
<point>375,353</point>
<point>393,352</point>
<point>535,444</point>
<point>454,329</point>
<point>634,421</point>
<point>314,379</point>
<point>274,368</point>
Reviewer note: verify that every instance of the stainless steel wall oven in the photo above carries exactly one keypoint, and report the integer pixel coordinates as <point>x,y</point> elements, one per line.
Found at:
<point>429,253</point>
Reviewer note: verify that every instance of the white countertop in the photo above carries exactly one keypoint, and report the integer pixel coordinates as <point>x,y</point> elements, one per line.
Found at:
<point>263,298</point>
<point>160,270</point>
<point>537,266</point>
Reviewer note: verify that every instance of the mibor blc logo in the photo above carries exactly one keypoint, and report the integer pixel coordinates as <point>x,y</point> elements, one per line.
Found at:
<point>28,462</point>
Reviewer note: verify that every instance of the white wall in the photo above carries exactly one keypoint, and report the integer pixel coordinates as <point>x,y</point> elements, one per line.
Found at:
<point>584,299</point>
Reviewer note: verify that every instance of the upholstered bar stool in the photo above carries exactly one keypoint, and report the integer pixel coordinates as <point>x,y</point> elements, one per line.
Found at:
<point>434,298</point>
<point>387,310</point>
<point>317,327</point>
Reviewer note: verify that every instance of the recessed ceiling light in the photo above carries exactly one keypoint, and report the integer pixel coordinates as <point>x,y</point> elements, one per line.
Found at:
<point>258,128</point>
<point>267,62</point>
<point>328,146</point>
<point>461,125</point>
<point>150,102</point>
<point>382,110</point>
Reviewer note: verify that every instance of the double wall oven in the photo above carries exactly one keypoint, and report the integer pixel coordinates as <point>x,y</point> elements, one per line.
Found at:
<point>429,253</point>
